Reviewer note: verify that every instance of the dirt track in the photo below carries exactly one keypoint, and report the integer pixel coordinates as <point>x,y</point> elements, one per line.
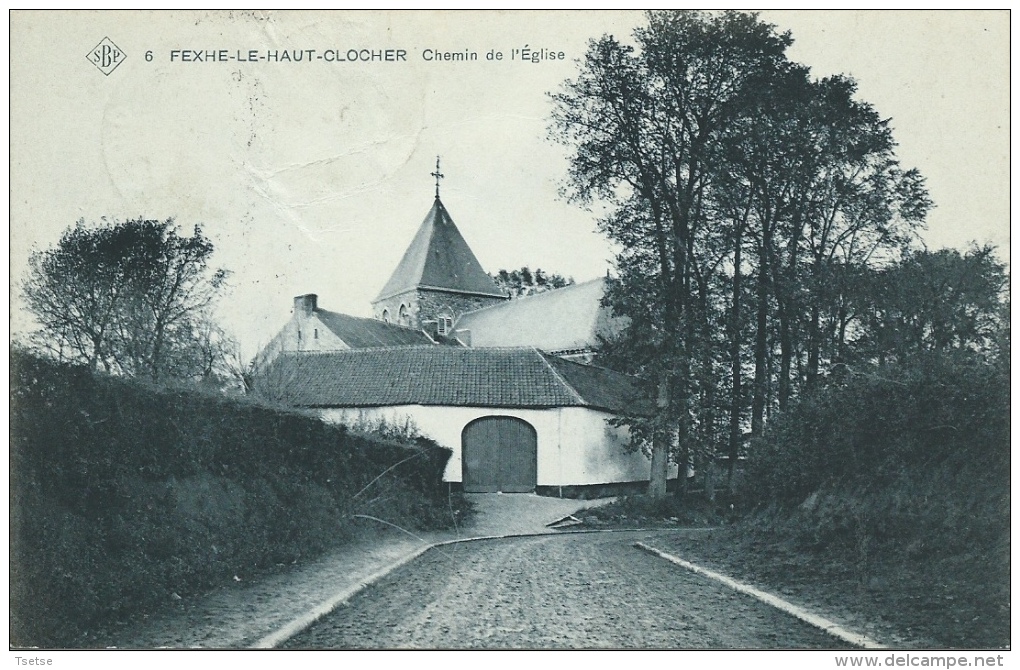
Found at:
<point>576,592</point>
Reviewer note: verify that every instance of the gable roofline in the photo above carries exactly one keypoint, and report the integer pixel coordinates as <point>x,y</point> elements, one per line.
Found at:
<point>535,297</point>
<point>583,378</point>
<point>357,331</point>
<point>562,319</point>
<point>563,381</point>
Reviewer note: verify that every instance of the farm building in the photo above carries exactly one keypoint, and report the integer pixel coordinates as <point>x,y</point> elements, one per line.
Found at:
<point>503,383</point>
<point>516,419</point>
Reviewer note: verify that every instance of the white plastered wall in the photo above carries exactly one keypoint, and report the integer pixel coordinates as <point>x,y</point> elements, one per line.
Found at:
<point>593,451</point>
<point>576,446</point>
<point>315,336</point>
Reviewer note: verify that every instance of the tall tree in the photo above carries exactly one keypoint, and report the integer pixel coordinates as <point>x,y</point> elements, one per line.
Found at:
<point>132,297</point>
<point>76,290</point>
<point>644,127</point>
<point>862,209</point>
<point>816,168</point>
<point>748,201</point>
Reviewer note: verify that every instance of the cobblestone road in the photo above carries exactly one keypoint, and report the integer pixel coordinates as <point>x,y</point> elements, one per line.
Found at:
<point>576,591</point>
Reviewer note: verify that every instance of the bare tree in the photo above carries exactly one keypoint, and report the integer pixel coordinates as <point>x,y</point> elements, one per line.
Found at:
<point>133,297</point>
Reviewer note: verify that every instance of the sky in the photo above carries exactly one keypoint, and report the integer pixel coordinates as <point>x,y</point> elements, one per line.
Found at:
<point>313,176</point>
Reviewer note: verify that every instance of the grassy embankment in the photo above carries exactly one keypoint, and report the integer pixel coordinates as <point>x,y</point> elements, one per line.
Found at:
<point>129,498</point>
<point>884,500</point>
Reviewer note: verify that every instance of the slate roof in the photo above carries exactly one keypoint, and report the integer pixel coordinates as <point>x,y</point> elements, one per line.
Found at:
<point>564,319</point>
<point>359,333</point>
<point>439,258</point>
<point>518,377</point>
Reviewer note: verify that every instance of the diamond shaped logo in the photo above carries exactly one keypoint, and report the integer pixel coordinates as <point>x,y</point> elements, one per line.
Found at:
<point>106,56</point>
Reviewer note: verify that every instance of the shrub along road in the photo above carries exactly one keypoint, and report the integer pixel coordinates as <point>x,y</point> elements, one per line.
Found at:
<point>577,592</point>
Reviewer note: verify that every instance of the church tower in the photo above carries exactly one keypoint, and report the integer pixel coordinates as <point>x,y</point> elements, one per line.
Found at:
<point>438,278</point>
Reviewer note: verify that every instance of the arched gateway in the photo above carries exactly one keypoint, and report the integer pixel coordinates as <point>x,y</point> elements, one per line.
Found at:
<point>499,453</point>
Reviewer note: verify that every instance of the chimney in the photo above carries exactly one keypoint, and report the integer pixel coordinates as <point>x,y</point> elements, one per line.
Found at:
<point>305,304</point>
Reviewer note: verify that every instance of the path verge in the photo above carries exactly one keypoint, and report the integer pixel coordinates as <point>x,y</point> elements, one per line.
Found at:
<point>829,627</point>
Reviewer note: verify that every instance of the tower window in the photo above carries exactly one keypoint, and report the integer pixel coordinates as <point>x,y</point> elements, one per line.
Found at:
<point>316,334</point>
<point>444,325</point>
<point>386,315</point>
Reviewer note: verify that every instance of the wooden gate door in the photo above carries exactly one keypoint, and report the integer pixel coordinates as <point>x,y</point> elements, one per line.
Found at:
<point>499,453</point>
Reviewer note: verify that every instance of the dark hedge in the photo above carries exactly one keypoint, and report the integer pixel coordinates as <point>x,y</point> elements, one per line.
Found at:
<point>126,496</point>
<point>892,487</point>
<point>911,456</point>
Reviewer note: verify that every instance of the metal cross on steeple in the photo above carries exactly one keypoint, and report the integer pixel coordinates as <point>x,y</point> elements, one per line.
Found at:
<point>438,175</point>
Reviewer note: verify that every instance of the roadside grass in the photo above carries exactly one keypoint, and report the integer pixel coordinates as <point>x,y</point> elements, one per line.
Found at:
<point>884,500</point>
<point>907,592</point>
<point>129,498</point>
<point>644,512</point>
<point>956,600</point>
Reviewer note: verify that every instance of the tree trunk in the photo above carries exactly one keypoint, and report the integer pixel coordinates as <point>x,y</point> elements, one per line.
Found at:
<point>785,358</point>
<point>785,289</point>
<point>814,325</point>
<point>660,443</point>
<point>760,348</point>
<point>841,342</point>
<point>814,347</point>
<point>735,372</point>
<point>683,458</point>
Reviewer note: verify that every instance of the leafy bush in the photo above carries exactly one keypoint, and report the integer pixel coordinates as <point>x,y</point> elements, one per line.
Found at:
<point>402,431</point>
<point>125,494</point>
<point>893,490</point>
<point>918,458</point>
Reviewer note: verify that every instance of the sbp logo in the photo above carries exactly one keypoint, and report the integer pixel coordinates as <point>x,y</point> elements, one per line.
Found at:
<point>106,56</point>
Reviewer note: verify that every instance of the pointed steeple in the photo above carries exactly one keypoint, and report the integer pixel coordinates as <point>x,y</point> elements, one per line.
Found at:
<point>438,258</point>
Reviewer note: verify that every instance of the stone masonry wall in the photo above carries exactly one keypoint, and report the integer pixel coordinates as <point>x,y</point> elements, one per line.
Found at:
<point>424,305</point>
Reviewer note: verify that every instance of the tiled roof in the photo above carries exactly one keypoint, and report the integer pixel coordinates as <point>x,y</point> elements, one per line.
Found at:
<point>359,333</point>
<point>601,387</point>
<point>439,258</point>
<point>568,318</point>
<point>520,377</point>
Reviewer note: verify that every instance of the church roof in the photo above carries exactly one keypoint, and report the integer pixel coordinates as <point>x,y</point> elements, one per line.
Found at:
<point>563,319</point>
<point>518,377</point>
<point>358,333</point>
<point>439,258</point>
